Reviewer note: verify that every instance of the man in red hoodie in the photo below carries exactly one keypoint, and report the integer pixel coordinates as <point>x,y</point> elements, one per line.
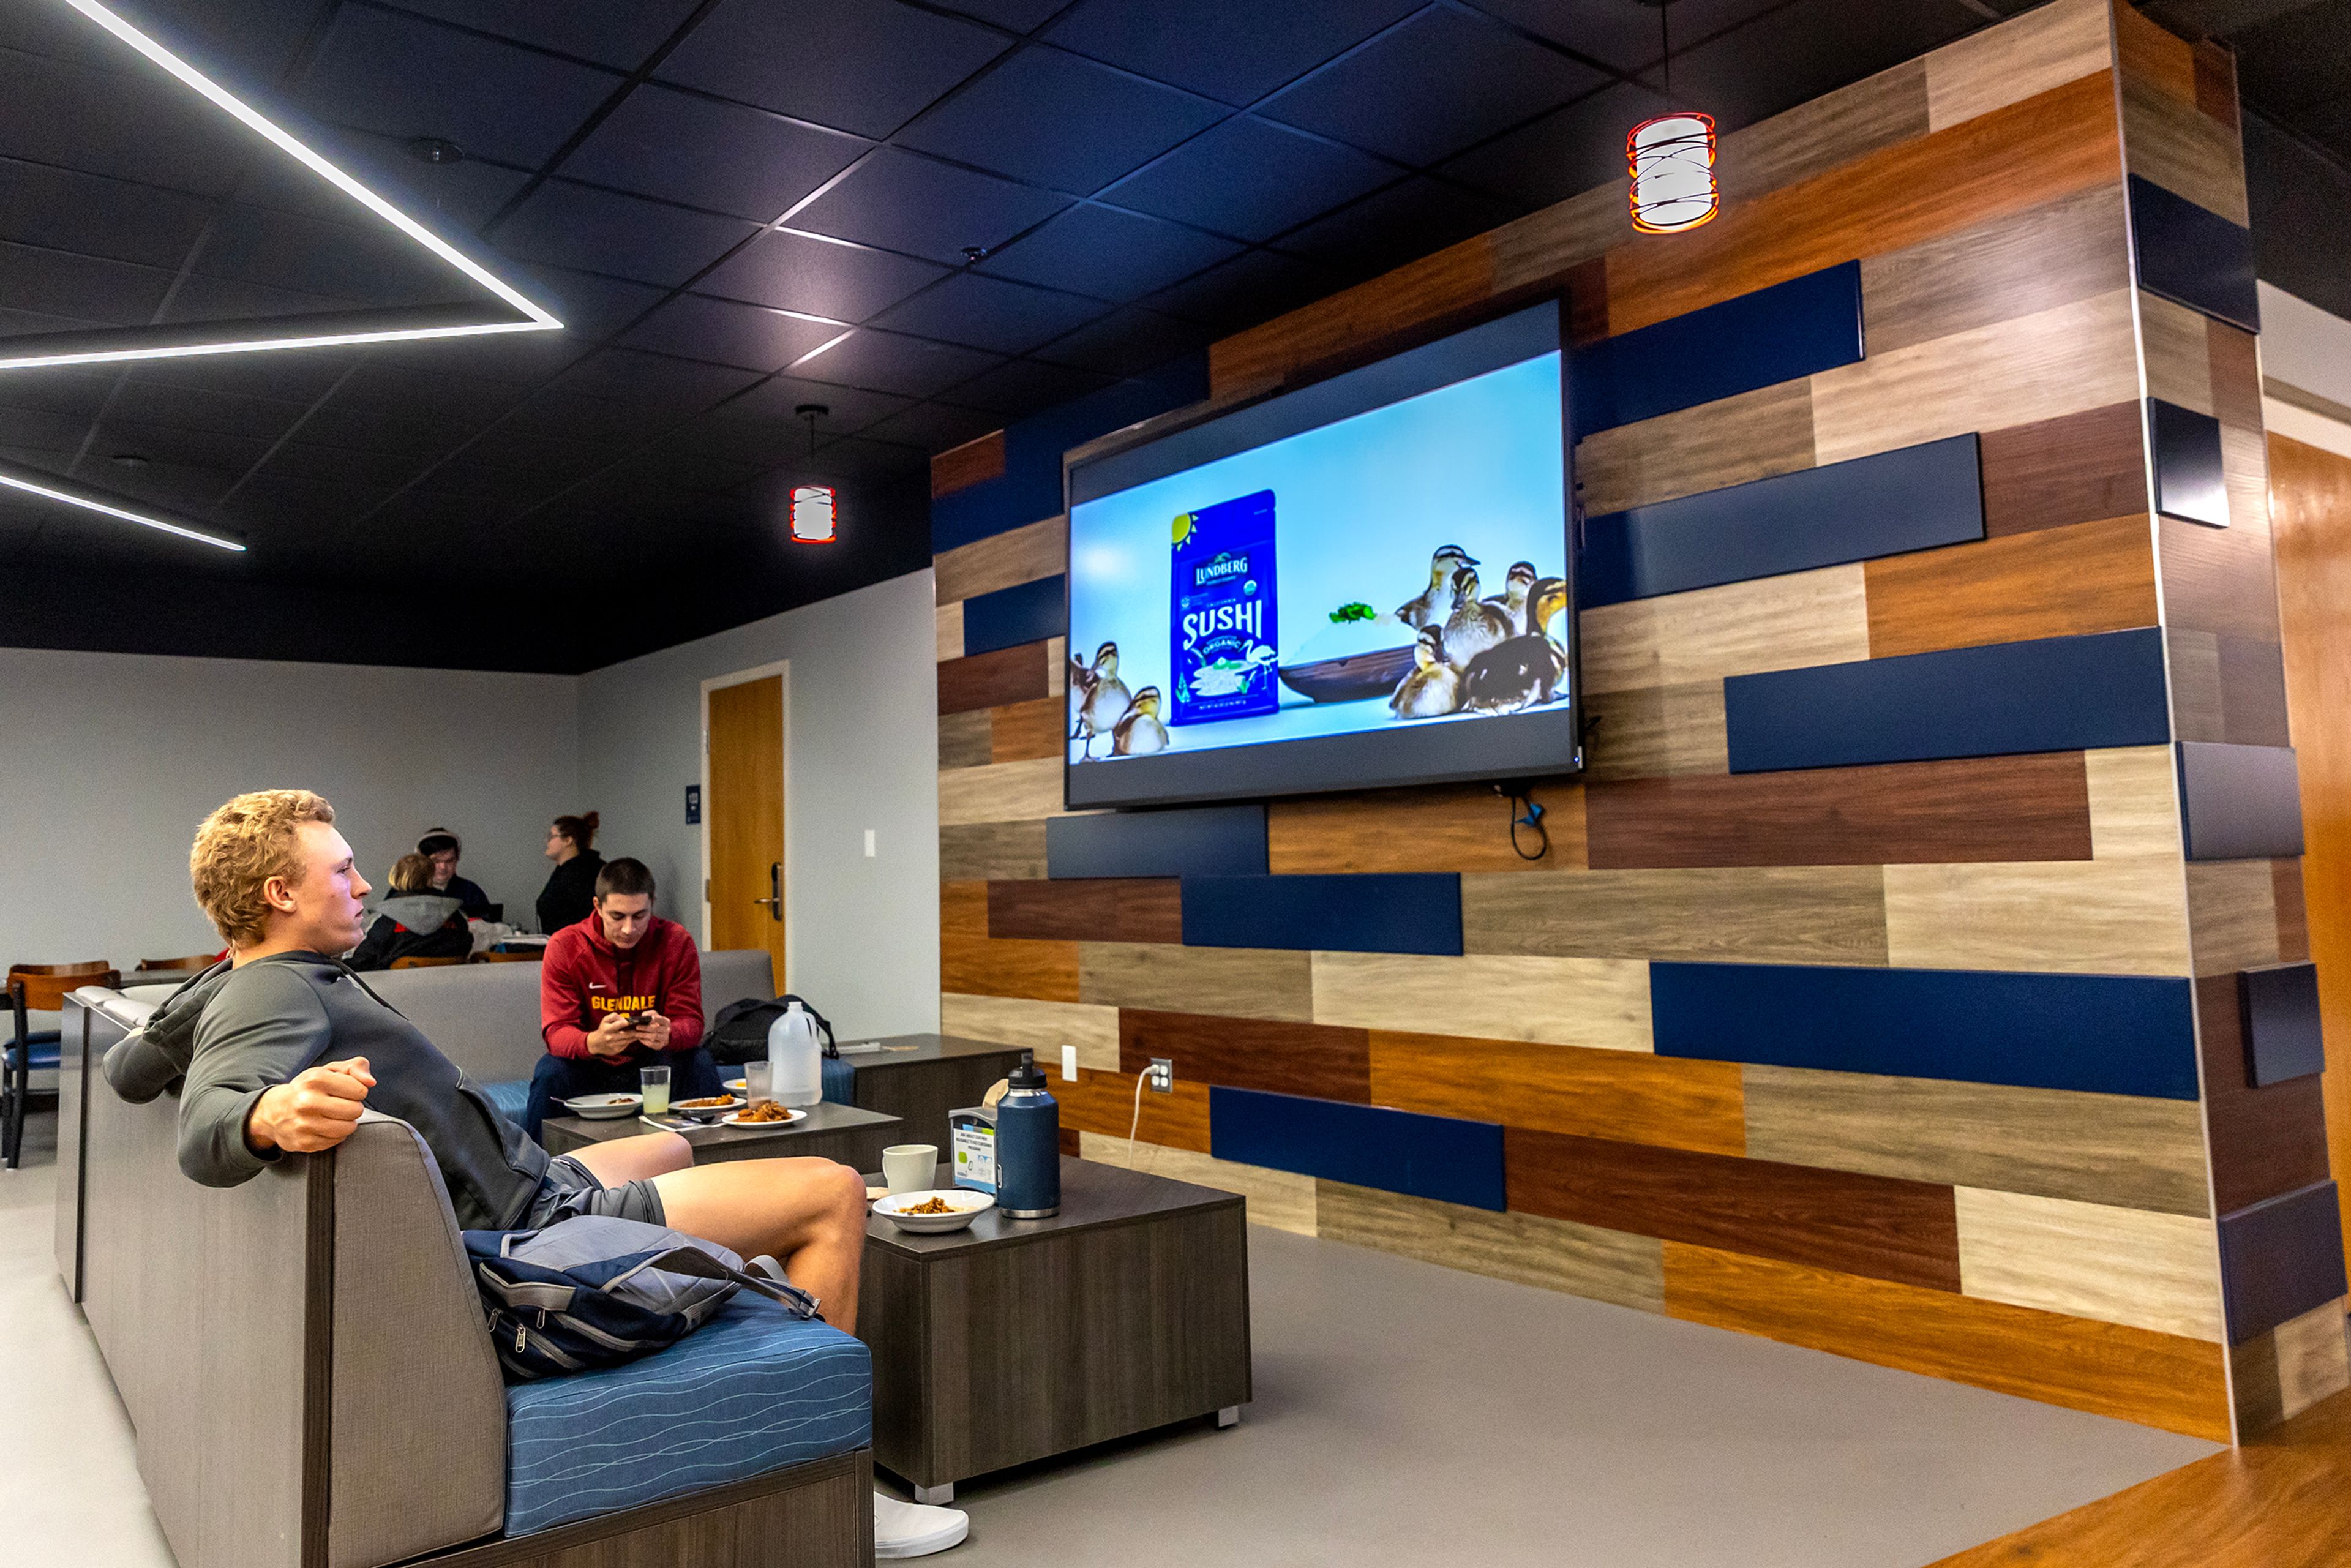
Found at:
<point>620,992</point>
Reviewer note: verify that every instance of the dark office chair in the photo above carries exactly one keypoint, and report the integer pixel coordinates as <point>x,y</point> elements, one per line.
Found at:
<point>36,988</point>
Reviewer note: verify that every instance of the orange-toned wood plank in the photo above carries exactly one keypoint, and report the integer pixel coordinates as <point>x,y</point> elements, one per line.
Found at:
<point>2157,1379</point>
<point>1421,293</point>
<point>2151,53</point>
<point>1451,828</point>
<point>960,468</point>
<point>2292,918</point>
<point>2068,138</point>
<point>1026,732</point>
<point>2234,355</point>
<point>1104,1102</point>
<point>963,909</point>
<point>1621,1094</point>
<point>2052,582</point>
<point>2216,82</point>
<point>1094,909</point>
<point>992,966</point>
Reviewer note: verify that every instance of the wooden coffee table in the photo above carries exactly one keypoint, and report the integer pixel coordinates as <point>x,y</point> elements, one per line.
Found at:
<point>1019,1339</point>
<point>853,1136</point>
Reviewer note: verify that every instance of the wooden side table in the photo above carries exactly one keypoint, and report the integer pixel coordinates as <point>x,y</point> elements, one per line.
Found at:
<point>940,1072</point>
<point>1019,1339</point>
<point>844,1133</point>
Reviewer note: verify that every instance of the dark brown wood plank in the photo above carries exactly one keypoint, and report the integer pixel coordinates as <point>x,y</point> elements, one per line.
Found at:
<point>2293,915</point>
<point>1007,676</point>
<point>2076,468</point>
<point>1320,1059</point>
<point>2029,808</point>
<point>2263,1142</point>
<point>2221,580</point>
<point>960,468</point>
<point>1093,909</point>
<point>2234,356</point>
<point>1879,1227</point>
<point>2216,82</point>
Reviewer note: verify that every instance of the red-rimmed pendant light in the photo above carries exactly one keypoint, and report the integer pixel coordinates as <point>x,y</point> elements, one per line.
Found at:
<point>1671,160</point>
<point>815,507</point>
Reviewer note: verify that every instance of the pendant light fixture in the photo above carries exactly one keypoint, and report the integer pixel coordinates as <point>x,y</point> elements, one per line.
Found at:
<point>815,509</point>
<point>1671,158</point>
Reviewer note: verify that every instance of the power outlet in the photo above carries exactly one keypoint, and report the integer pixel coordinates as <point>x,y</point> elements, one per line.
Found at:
<point>1162,1076</point>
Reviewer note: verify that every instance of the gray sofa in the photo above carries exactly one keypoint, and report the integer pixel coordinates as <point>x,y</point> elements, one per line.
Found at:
<point>303,1356</point>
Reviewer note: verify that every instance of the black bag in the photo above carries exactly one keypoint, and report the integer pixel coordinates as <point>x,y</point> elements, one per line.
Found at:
<point>740,1034</point>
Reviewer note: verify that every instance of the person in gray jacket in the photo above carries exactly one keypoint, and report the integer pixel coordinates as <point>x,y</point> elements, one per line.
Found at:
<point>414,922</point>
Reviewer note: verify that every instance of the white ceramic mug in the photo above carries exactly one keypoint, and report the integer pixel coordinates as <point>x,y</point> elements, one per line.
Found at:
<point>910,1168</point>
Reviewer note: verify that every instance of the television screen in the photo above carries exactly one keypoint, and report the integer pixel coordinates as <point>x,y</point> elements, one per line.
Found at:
<point>1366,581</point>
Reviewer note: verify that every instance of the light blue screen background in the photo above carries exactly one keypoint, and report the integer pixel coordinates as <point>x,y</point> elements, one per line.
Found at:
<point>1359,506</point>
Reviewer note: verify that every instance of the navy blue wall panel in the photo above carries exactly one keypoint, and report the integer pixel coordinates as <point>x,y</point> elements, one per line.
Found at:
<point>2114,1034</point>
<point>2053,693</point>
<point>1205,840</point>
<point>1777,334</point>
<point>1029,613</point>
<point>2193,256</point>
<point>1364,1145</point>
<point>2280,1012</point>
<point>1382,912</point>
<point>2189,483</point>
<point>2239,802</point>
<point>1913,499</point>
<point>2279,1259</point>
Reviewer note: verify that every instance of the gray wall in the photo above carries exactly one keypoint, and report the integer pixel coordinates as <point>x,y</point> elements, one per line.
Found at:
<point>111,759</point>
<point>863,933</point>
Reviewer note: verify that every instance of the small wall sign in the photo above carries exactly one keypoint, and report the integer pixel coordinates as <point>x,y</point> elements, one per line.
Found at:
<point>692,804</point>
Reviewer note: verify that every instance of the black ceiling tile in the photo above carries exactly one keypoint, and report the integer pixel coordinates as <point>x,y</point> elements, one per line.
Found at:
<point>1021,387</point>
<point>900,201</point>
<point>667,468</point>
<point>56,33</point>
<point>821,276</point>
<point>1430,87</point>
<point>77,389</point>
<point>600,424</point>
<point>1126,342</point>
<point>195,408</point>
<point>727,332</point>
<point>92,214</point>
<point>57,283</point>
<point>39,429</point>
<point>153,128</point>
<point>1113,255</point>
<point>276,501</point>
<point>1246,290</point>
<point>1623,32</point>
<point>170,443</point>
<point>346,465</point>
<point>1807,48</point>
<point>1016,15</point>
<point>526,358</point>
<point>1235,50</point>
<point>1406,221</point>
<point>932,426</point>
<point>566,224</point>
<point>449,199</point>
<point>1250,178</point>
<point>1054,119</point>
<point>619,33</point>
<point>866,66</point>
<point>374,263</point>
<point>1568,151</point>
<point>247,311</point>
<point>589,306</point>
<point>988,313</point>
<point>184,485</point>
<point>886,361</point>
<point>246,45</point>
<point>2297,60</point>
<point>31,323</point>
<point>848,410</point>
<point>400,76</point>
<point>630,376</point>
<point>704,154</point>
<point>430,396</point>
<point>302,376</point>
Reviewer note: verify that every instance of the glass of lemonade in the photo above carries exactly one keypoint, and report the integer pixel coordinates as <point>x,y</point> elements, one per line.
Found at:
<point>656,1090</point>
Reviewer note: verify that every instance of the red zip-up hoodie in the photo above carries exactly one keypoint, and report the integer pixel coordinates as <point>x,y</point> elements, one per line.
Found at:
<point>585,977</point>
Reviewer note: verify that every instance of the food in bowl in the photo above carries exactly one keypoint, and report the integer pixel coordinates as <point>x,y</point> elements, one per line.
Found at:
<point>761,1110</point>
<point>931,1206</point>
<point>707,1102</point>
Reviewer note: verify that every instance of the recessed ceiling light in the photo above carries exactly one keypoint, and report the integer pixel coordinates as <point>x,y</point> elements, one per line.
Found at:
<point>32,485</point>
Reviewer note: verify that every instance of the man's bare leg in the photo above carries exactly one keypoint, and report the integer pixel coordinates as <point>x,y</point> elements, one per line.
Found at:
<point>634,1159</point>
<point>808,1214</point>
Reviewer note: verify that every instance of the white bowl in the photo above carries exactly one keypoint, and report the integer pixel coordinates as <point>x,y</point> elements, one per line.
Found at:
<point>604,1107</point>
<point>969,1206</point>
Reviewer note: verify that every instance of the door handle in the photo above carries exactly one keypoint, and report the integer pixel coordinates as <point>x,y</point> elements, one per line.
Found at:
<point>775,899</point>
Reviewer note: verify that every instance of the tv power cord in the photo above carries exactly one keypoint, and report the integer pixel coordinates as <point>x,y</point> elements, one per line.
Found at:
<point>1522,800</point>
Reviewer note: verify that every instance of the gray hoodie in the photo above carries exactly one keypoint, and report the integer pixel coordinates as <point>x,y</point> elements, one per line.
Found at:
<point>423,913</point>
<point>226,1036</point>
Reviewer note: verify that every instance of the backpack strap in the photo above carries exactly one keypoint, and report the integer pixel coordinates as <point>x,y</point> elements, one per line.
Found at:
<point>702,1265</point>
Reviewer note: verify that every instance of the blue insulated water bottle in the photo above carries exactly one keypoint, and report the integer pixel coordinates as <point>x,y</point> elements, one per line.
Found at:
<point>1027,1146</point>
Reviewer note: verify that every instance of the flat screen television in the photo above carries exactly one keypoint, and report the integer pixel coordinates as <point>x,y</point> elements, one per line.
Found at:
<point>1362,582</point>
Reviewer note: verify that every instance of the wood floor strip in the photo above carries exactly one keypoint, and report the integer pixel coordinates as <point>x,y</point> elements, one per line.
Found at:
<point>2072,468</point>
<point>1525,1249</point>
<point>1321,1062</point>
<point>1103,1102</point>
<point>1006,675</point>
<point>963,908</point>
<point>2134,803</point>
<point>2014,265</point>
<point>2232,911</point>
<point>947,630</point>
<point>967,740</point>
<point>1026,731</point>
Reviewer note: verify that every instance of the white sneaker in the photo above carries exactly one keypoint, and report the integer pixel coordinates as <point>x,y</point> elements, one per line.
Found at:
<point>913,1529</point>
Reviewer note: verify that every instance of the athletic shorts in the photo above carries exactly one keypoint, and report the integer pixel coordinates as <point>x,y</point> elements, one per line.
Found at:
<point>569,1188</point>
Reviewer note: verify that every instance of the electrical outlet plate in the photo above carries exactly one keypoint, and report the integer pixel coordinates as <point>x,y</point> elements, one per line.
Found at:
<point>1069,1064</point>
<point>1162,1076</point>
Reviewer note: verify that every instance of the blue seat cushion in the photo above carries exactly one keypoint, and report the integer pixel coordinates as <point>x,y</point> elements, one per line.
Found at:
<point>753,1390</point>
<point>511,1097</point>
<point>41,1045</point>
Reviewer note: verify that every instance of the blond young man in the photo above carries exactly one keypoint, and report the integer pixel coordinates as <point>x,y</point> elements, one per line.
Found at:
<point>279,1049</point>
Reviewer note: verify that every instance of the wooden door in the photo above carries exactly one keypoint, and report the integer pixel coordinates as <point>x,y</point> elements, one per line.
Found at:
<point>746,818</point>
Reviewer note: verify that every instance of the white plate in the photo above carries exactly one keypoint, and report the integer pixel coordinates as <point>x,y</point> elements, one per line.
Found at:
<point>737,1086</point>
<point>969,1206</point>
<point>604,1107</point>
<point>735,1119</point>
<point>679,1108</point>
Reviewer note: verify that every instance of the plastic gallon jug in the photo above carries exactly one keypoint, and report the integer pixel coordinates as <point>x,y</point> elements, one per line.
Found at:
<point>796,1057</point>
<point>1028,1147</point>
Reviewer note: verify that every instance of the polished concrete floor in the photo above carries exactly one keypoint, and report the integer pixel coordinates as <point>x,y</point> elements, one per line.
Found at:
<point>1404,1415</point>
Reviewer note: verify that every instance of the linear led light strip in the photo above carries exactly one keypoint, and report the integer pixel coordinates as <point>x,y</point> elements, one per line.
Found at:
<point>537,319</point>
<point>87,504</point>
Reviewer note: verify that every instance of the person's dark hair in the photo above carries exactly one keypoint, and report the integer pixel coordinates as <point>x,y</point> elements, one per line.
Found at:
<point>436,840</point>
<point>580,830</point>
<point>623,875</point>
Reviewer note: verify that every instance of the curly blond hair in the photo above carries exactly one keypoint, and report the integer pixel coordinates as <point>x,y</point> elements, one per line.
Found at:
<point>240,847</point>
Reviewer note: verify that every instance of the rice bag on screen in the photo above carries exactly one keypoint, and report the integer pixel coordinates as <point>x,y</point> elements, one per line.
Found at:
<point>1222,612</point>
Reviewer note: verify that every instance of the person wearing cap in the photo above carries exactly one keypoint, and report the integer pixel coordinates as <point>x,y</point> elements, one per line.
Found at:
<point>440,846</point>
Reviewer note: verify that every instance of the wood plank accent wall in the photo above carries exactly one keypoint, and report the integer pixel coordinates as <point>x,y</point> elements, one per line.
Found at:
<point>2055,1243</point>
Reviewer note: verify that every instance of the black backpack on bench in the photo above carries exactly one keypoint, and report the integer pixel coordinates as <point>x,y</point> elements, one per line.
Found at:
<point>740,1034</point>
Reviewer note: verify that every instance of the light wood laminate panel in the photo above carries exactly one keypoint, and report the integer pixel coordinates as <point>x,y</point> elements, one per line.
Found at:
<point>2217,580</point>
<point>2244,466</point>
<point>1237,982</point>
<point>1761,914</point>
<point>1800,619</point>
<point>1041,1027</point>
<point>2187,153</point>
<point>2232,910</point>
<point>2134,803</point>
<point>2178,352</point>
<point>2050,582</point>
<point>1827,132</point>
<point>2312,1363</point>
<point>1654,732</point>
<point>1025,732</point>
<point>1280,1201</point>
<point>2158,1271</point>
<point>967,738</point>
<point>2123,1150</point>
<point>2071,248</point>
<point>2158,1380</point>
<point>1753,435</point>
<point>2091,918</point>
<point>983,965</point>
<point>992,851</point>
<point>947,630</point>
<point>1525,1249</point>
<point>1001,792</point>
<point>1002,560</point>
<point>1543,247</point>
<point>1598,1002</point>
<point>2017,60</point>
<point>1629,1096</point>
<point>1103,1102</point>
<point>1451,828</point>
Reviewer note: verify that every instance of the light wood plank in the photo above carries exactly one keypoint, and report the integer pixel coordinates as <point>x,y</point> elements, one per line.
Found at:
<point>946,625</point>
<point>1280,1201</point>
<point>993,851</point>
<point>2232,910</point>
<point>2158,1271</point>
<point>2134,806</point>
<point>1544,246</point>
<point>2084,355</point>
<point>2244,464</point>
<point>2016,61</point>
<point>1225,982</point>
<point>1106,1103</point>
<point>1655,732</point>
<point>2133,1152</point>
<point>2178,352</point>
<point>1751,436</point>
<point>1001,793</point>
<point>1526,1249</point>
<point>1041,1027</point>
<point>2049,582</point>
<point>965,738</point>
<point>1598,1002</point>
<point>2095,917</point>
<point>998,967</point>
<point>1825,132</point>
<point>2073,248</point>
<point>1771,624</point>
<point>1626,1095</point>
<point>1057,666</point>
<point>2311,1358</point>
<point>1447,829</point>
<point>1002,560</point>
<point>2188,153</point>
<point>1762,915</point>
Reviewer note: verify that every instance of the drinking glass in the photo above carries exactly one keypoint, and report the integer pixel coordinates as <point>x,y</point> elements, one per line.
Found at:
<point>759,1080</point>
<point>656,1088</point>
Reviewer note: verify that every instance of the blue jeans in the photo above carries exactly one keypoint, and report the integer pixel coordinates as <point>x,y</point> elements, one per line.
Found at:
<point>692,1075</point>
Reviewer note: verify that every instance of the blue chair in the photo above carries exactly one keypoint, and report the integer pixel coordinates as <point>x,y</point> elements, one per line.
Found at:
<point>36,988</point>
